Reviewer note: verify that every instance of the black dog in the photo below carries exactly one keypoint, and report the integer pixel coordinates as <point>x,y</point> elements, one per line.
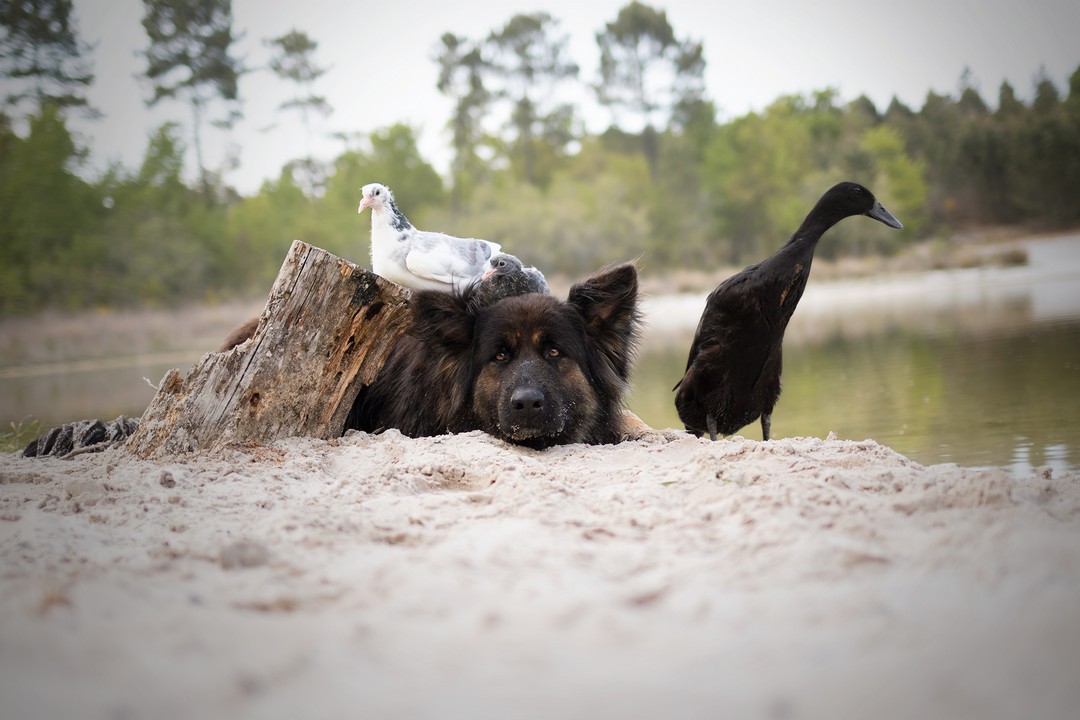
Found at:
<point>529,369</point>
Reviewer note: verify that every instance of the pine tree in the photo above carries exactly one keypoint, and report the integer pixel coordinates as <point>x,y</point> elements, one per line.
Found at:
<point>189,58</point>
<point>41,53</point>
<point>647,71</point>
<point>293,61</point>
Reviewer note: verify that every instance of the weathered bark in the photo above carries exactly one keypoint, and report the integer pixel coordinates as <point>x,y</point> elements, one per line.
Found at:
<point>326,331</point>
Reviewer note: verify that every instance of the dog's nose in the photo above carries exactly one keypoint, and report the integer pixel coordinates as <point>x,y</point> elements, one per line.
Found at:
<point>527,405</point>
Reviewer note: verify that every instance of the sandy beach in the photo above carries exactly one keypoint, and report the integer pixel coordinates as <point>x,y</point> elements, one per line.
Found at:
<point>461,577</point>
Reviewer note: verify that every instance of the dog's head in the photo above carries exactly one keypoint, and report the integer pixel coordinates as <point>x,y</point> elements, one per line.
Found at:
<point>532,369</point>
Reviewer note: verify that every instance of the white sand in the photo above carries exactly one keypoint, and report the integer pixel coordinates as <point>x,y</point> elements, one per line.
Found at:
<point>460,577</point>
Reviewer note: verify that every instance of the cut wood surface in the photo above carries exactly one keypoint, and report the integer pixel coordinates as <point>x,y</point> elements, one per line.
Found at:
<point>326,331</point>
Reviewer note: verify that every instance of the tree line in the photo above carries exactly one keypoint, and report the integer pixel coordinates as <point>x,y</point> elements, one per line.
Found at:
<point>666,182</point>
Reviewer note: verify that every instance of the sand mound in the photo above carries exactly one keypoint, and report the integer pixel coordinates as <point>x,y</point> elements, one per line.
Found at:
<point>463,577</point>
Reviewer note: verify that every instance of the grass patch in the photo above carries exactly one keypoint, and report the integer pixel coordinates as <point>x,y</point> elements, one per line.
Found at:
<point>19,434</point>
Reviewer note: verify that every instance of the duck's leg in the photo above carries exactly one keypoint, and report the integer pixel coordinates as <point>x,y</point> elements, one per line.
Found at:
<point>710,421</point>
<point>766,425</point>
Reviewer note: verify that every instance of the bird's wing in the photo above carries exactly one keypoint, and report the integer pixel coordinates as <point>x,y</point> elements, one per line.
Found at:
<point>732,340</point>
<point>720,313</point>
<point>537,282</point>
<point>445,258</point>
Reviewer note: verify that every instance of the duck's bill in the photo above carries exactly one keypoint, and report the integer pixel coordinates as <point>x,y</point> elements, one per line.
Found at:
<point>879,213</point>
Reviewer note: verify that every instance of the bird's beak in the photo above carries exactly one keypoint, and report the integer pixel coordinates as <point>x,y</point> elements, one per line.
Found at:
<point>879,213</point>
<point>487,273</point>
<point>364,204</point>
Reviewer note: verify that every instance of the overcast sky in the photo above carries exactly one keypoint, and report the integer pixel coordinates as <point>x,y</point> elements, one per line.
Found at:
<point>382,72</point>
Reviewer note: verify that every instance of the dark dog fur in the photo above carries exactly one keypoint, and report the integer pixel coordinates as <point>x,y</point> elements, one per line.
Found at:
<point>529,369</point>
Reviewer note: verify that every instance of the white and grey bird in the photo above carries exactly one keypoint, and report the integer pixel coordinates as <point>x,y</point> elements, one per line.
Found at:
<point>508,276</point>
<point>420,259</point>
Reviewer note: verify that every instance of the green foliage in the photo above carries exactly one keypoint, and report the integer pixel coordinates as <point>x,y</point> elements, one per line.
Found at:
<point>1020,163</point>
<point>159,240</point>
<point>19,434</point>
<point>394,160</point>
<point>44,206</point>
<point>897,176</point>
<point>754,168</point>
<point>681,215</point>
<point>591,215</point>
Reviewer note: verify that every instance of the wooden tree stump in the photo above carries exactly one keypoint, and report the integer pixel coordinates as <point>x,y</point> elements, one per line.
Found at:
<point>326,331</point>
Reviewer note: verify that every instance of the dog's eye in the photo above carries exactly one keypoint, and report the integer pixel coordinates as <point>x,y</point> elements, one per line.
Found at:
<point>553,352</point>
<point>502,356</point>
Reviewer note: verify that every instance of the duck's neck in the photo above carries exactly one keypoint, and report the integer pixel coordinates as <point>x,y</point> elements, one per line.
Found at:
<point>817,222</point>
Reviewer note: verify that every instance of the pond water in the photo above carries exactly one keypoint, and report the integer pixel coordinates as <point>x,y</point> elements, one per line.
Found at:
<point>976,367</point>
<point>56,393</point>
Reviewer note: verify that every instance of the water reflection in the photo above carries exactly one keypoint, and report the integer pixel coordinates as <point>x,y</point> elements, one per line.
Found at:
<point>1007,399</point>
<point>57,393</point>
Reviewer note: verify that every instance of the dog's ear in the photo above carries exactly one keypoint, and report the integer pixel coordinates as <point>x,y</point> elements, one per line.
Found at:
<point>607,301</point>
<point>444,319</point>
<point>445,323</point>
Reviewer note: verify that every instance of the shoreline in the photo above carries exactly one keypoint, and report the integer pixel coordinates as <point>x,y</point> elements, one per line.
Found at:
<point>993,299</point>
<point>196,329</point>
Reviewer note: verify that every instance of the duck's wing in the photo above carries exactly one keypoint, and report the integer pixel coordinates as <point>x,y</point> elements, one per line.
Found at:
<point>724,309</point>
<point>732,342</point>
